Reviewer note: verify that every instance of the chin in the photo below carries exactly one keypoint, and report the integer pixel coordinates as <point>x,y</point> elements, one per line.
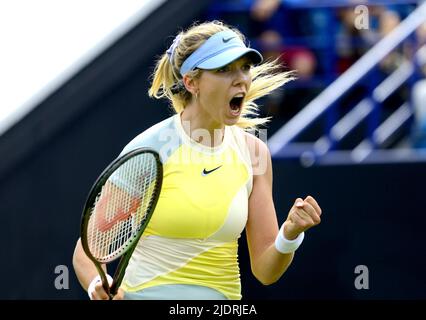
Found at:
<point>231,121</point>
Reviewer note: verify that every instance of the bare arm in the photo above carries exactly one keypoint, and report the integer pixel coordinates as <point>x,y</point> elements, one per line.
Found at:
<point>83,266</point>
<point>86,272</point>
<point>267,263</point>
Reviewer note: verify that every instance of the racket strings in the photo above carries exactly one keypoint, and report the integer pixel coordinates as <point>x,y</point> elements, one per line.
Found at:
<point>120,208</point>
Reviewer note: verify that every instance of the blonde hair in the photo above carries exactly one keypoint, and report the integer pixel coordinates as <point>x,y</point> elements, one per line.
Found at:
<point>266,77</point>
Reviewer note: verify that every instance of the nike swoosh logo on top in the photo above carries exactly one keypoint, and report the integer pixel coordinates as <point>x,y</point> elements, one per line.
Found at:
<point>227,40</point>
<point>206,172</point>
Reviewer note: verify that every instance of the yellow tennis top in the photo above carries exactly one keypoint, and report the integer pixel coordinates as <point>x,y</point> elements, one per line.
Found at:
<point>192,237</point>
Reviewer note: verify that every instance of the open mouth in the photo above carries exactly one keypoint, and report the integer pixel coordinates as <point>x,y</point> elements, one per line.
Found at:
<point>236,104</point>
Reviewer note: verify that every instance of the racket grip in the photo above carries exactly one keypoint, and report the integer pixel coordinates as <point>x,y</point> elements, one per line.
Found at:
<point>113,289</point>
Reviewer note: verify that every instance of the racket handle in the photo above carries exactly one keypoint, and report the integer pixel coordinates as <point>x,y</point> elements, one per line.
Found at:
<point>114,287</point>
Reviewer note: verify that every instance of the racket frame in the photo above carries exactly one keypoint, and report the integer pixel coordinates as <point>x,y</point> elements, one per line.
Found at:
<point>87,212</point>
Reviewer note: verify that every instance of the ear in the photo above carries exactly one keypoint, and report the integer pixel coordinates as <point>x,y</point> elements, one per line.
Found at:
<point>190,84</point>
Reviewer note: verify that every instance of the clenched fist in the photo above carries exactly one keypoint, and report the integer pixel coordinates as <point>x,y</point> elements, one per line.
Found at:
<point>303,215</point>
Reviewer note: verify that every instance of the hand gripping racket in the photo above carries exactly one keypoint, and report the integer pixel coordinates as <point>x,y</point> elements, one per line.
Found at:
<point>118,209</point>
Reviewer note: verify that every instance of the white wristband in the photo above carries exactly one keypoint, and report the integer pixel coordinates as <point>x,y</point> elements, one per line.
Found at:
<point>94,282</point>
<point>284,245</point>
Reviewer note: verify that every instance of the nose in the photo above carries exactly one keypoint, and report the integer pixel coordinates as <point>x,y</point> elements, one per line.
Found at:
<point>241,77</point>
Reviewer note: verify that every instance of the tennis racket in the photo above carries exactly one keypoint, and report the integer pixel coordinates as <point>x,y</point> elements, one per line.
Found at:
<point>118,209</point>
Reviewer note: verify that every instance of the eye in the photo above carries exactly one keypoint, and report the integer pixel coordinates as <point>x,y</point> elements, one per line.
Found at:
<point>247,67</point>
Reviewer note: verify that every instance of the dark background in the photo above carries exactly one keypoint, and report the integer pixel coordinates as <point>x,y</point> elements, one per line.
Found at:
<point>373,215</point>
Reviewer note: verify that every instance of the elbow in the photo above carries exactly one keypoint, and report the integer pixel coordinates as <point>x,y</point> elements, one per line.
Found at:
<point>267,282</point>
<point>268,276</point>
<point>265,279</point>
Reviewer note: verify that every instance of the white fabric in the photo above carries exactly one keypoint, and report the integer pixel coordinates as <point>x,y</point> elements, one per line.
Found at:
<point>284,245</point>
<point>94,282</point>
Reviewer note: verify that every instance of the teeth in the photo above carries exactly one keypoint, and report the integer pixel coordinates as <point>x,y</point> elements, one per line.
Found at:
<point>240,95</point>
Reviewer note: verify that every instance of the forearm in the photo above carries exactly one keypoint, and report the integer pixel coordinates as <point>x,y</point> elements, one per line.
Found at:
<point>271,265</point>
<point>83,266</point>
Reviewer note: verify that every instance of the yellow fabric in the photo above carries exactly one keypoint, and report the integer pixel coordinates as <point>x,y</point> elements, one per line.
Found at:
<point>204,270</point>
<point>192,205</point>
<point>192,237</point>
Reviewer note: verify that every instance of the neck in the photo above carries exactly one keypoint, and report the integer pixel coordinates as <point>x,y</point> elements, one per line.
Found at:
<point>201,127</point>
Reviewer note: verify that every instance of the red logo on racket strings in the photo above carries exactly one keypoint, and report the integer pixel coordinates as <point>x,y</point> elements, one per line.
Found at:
<point>120,214</point>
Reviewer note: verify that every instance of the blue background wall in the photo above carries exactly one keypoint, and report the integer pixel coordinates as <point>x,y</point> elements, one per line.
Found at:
<point>373,215</point>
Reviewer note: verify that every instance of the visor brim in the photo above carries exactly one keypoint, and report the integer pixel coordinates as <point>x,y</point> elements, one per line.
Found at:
<point>228,56</point>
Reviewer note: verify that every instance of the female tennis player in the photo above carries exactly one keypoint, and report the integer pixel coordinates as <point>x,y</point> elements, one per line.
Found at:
<point>217,177</point>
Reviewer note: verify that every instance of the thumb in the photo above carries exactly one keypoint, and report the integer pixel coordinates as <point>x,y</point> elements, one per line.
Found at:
<point>299,203</point>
